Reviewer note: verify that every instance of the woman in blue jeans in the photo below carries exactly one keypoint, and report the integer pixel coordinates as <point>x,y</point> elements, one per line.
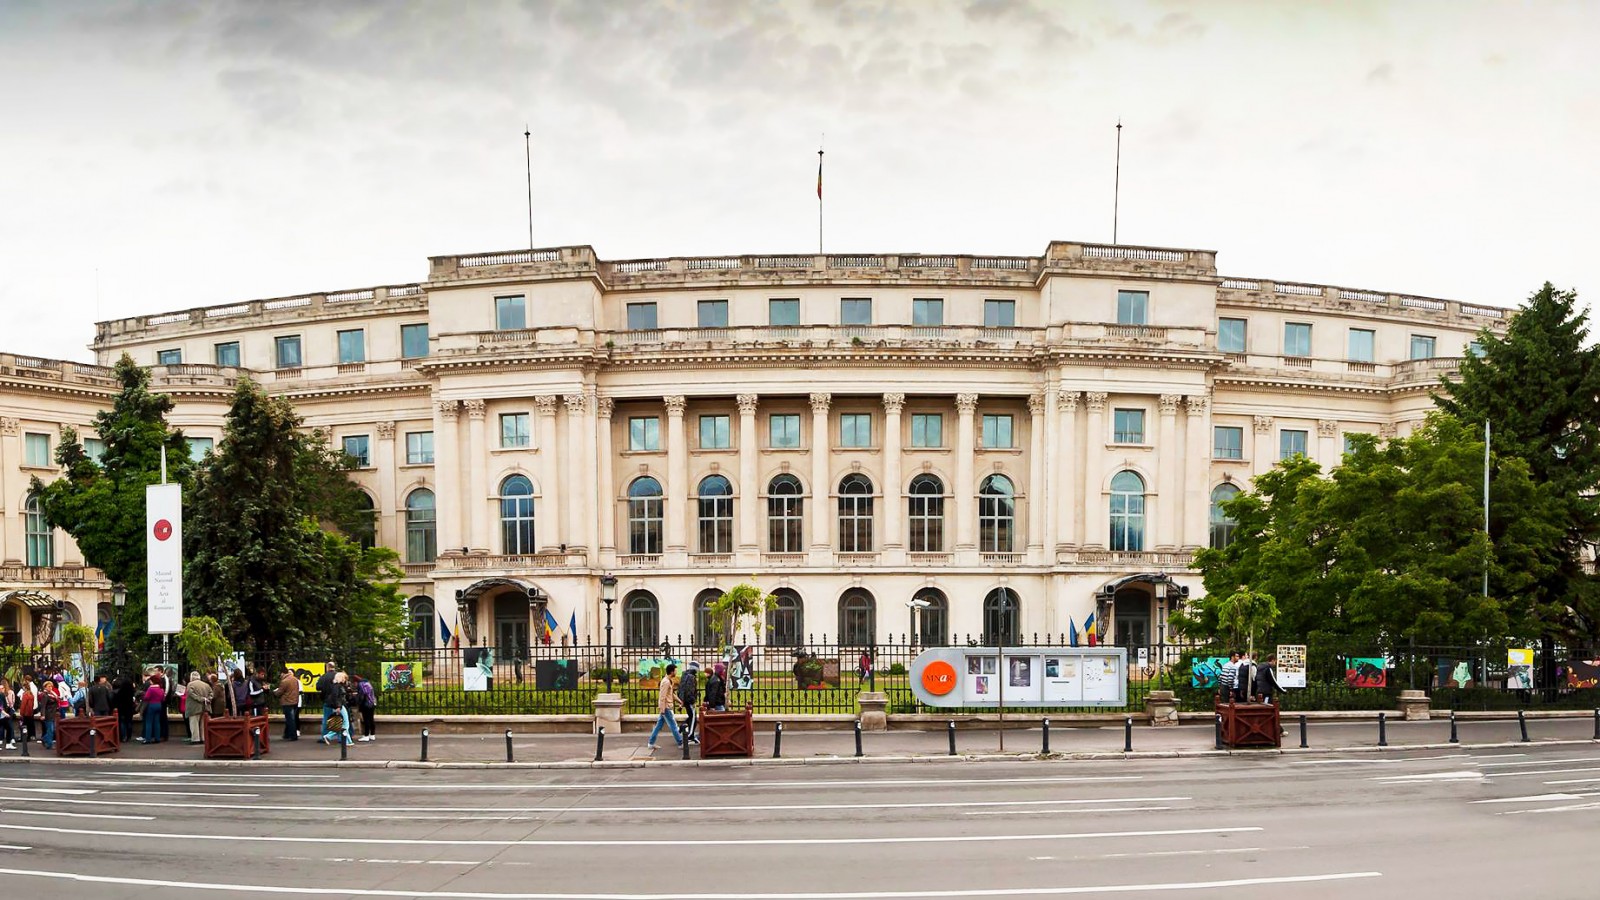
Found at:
<point>154,710</point>
<point>665,704</point>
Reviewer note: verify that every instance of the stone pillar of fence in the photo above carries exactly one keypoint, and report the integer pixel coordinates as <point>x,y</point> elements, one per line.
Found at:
<point>608,713</point>
<point>874,711</point>
<point>1161,707</point>
<point>1414,704</point>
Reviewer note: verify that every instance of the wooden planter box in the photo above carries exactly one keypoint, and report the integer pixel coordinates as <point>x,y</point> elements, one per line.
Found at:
<point>72,735</point>
<point>1250,725</point>
<point>726,734</point>
<point>228,737</point>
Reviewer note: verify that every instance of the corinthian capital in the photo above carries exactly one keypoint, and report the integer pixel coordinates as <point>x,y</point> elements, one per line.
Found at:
<point>545,405</point>
<point>575,404</point>
<point>449,409</point>
<point>748,403</point>
<point>820,403</point>
<point>894,403</point>
<point>1197,404</point>
<point>966,404</point>
<point>1097,400</point>
<point>1263,424</point>
<point>605,406</point>
<point>475,408</point>
<point>676,404</point>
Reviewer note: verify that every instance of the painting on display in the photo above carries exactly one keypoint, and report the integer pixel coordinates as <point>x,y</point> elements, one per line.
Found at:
<point>1205,670</point>
<point>1100,679</point>
<point>813,673</point>
<point>741,662</point>
<point>555,674</point>
<point>1061,681</point>
<point>651,668</point>
<point>1024,679</point>
<point>308,673</point>
<point>981,683</point>
<point>1366,672</point>
<point>1291,665</point>
<point>477,669</point>
<point>1454,673</point>
<point>1519,669</point>
<point>399,676</point>
<point>1583,675</point>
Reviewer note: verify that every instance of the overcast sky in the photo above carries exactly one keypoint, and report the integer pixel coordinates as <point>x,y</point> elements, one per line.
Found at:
<point>162,155</point>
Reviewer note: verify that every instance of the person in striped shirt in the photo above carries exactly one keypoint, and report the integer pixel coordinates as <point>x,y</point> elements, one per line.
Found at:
<point>1227,676</point>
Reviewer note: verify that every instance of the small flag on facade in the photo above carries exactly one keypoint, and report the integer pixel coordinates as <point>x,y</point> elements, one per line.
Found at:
<point>1072,633</point>
<point>1089,630</point>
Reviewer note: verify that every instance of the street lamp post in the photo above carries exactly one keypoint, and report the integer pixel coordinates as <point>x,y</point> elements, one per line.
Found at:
<point>608,596</point>
<point>119,599</point>
<point>1002,632</point>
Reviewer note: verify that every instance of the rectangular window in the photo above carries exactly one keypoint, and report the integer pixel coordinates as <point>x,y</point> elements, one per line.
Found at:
<point>227,354</point>
<point>510,313</point>
<point>715,433</point>
<point>1422,346</point>
<point>352,346</point>
<point>996,432</point>
<point>783,313</point>
<point>783,432</point>
<point>1362,344</point>
<point>419,448</point>
<point>94,448</point>
<point>1296,339</point>
<point>516,430</point>
<point>1133,307</point>
<point>1474,348</point>
<point>855,430</point>
<point>927,430</point>
<point>1291,443</point>
<point>356,446</point>
<point>1127,426</point>
<point>855,311</point>
<point>927,312</point>
<point>169,357</point>
<point>1350,440</point>
<point>414,341</point>
<point>644,433</point>
<point>1231,335</point>
<point>713,314</point>
<point>199,447</point>
<point>999,313</point>
<point>1227,442</point>
<point>36,449</point>
<point>641,317</point>
<point>288,352</point>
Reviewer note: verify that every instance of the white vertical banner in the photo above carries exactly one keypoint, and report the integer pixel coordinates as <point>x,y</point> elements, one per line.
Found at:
<point>163,518</point>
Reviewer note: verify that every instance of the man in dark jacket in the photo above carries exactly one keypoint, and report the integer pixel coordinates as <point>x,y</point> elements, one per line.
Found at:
<point>122,700</point>
<point>98,697</point>
<point>689,696</point>
<point>717,688</point>
<point>1267,680</point>
<point>329,704</point>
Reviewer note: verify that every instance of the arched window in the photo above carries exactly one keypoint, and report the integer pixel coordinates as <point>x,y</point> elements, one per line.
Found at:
<point>644,517</point>
<point>40,537</point>
<point>997,515</point>
<point>784,515</point>
<point>931,623</point>
<point>641,620</point>
<point>716,515</point>
<point>858,615</point>
<point>421,636</point>
<point>1002,612</point>
<point>855,514</point>
<point>926,500</point>
<point>786,619</point>
<point>516,515</point>
<point>365,528</point>
<point>1127,511</point>
<point>704,634</point>
<point>1222,526</point>
<point>422,532</point>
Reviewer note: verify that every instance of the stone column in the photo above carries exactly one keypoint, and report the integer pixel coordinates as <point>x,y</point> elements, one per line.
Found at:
<point>1168,456</point>
<point>574,482</point>
<point>1096,514</point>
<point>383,460</point>
<point>447,474</point>
<point>1264,454</point>
<point>11,457</point>
<point>1068,453</point>
<point>749,499</point>
<point>606,480</point>
<point>593,462</point>
<point>677,475</point>
<point>1197,474</point>
<point>893,503</point>
<point>1036,493</point>
<point>477,466</point>
<point>548,523</point>
<point>1328,450</point>
<point>821,472</point>
<point>964,489</point>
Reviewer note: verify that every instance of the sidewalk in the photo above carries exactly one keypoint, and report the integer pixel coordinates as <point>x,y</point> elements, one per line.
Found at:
<point>405,746</point>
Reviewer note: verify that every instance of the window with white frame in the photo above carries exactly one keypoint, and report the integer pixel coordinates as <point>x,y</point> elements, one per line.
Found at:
<point>644,433</point>
<point>516,430</point>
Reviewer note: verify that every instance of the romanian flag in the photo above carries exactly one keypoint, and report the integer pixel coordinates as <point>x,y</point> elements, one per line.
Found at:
<point>1072,633</point>
<point>550,626</point>
<point>1090,630</point>
<point>101,631</point>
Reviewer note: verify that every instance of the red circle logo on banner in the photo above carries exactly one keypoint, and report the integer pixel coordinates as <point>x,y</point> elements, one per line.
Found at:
<point>938,678</point>
<point>162,530</point>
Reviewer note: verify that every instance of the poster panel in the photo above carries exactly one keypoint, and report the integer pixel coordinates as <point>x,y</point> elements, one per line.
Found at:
<point>1365,672</point>
<point>979,683</point>
<point>308,673</point>
<point>555,674</point>
<point>1024,679</point>
<point>1519,669</point>
<point>163,532</point>
<point>1205,670</point>
<point>1100,678</point>
<point>813,673</point>
<point>1062,680</point>
<point>1291,665</point>
<point>1583,675</point>
<point>398,676</point>
<point>1454,673</point>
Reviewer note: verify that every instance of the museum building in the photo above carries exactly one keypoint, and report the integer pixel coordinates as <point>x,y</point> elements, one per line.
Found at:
<point>1018,441</point>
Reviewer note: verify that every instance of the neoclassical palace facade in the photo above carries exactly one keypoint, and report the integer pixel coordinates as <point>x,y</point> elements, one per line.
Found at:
<point>1020,442</point>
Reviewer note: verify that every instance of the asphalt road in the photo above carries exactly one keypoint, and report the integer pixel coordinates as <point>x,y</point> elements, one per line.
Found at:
<point>1488,823</point>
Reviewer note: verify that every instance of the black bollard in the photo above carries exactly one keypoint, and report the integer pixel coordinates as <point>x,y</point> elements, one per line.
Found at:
<point>1454,738</point>
<point>425,745</point>
<point>1127,734</point>
<point>599,743</point>
<point>1383,729</point>
<point>344,749</point>
<point>1219,731</point>
<point>1303,744</point>
<point>255,738</point>
<point>1597,724</point>
<point>858,737</point>
<point>24,743</point>
<point>1046,749</point>
<point>509,757</point>
<point>777,741</point>
<point>93,735</point>
<point>1522,726</point>
<point>951,731</point>
<point>685,745</point>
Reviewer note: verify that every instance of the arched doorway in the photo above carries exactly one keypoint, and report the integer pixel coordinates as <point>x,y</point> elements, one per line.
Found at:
<point>514,606</point>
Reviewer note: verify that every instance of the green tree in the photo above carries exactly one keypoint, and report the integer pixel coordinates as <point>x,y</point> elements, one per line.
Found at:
<point>1237,617</point>
<point>101,504</point>
<point>742,601</point>
<point>203,643</point>
<point>1539,389</point>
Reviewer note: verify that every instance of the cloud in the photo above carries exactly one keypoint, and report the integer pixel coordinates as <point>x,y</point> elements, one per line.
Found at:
<point>1382,74</point>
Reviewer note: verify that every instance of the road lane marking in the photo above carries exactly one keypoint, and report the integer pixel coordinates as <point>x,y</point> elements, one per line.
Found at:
<point>1542,772</point>
<point>56,813</point>
<point>630,842</point>
<point>1455,775</point>
<point>1146,853</point>
<point>14,847</point>
<point>657,785</point>
<point>1544,762</point>
<point>1058,812</point>
<point>251,777</point>
<point>1534,798</point>
<point>177,794</point>
<point>1550,809</point>
<point>75,793</point>
<point>701,895</point>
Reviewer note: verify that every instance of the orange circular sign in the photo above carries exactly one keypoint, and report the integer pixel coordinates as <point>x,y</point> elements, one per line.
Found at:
<point>938,678</point>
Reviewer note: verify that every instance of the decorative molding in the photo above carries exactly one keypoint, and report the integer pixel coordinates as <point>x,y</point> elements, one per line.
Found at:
<point>546,405</point>
<point>450,410</point>
<point>966,404</point>
<point>676,404</point>
<point>1036,404</point>
<point>1387,431</point>
<point>575,404</point>
<point>1197,404</point>
<point>1067,401</point>
<point>748,404</point>
<point>1169,404</point>
<point>385,431</point>
<point>1327,428</point>
<point>1263,424</point>
<point>475,409</point>
<point>1097,401</point>
<point>820,403</point>
<point>605,406</point>
<point>10,427</point>
<point>894,404</point>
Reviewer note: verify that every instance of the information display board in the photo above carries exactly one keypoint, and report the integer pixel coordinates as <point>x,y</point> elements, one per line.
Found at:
<point>978,677</point>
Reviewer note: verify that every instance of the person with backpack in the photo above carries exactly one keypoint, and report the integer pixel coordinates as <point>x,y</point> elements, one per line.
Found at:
<point>325,690</point>
<point>337,728</point>
<point>689,696</point>
<point>666,700</point>
<point>367,702</point>
<point>717,689</point>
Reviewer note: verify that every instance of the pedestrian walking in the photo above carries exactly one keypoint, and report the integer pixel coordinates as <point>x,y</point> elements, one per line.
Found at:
<point>98,698</point>
<point>717,689</point>
<point>28,715</point>
<point>325,690</point>
<point>123,700</point>
<point>366,701</point>
<point>155,698</point>
<point>689,696</point>
<point>49,702</point>
<point>1267,679</point>
<point>1242,679</point>
<point>8,716</point>
<point>336,727</point>
<point>666,701</point>
<point>196,706</point>
<point>288,694</point>
<point>1225,678</point>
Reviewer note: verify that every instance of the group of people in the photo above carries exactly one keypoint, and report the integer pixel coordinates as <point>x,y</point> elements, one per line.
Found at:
<point>30,709</point>
<point>1242,680</point>
<point>341,693</point>
<point>684,693</point>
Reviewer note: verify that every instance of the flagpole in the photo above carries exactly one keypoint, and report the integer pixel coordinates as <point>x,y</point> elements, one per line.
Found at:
<point>527,159</point>
<point>819,198</point>
<point>1116,187</point>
